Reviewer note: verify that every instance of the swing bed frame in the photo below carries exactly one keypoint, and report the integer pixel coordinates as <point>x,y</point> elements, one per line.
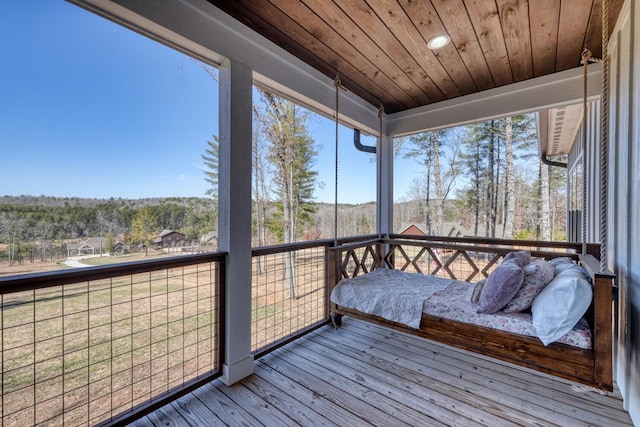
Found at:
<point>591,367</point>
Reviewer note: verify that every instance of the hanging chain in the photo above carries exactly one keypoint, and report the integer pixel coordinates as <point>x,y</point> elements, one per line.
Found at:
<point>604,142</point>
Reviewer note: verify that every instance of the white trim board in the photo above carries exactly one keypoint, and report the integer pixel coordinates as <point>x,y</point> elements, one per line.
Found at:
<point>541,93</point>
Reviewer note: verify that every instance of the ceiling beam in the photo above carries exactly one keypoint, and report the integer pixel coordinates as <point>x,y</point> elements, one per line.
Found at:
<point>554,90</point>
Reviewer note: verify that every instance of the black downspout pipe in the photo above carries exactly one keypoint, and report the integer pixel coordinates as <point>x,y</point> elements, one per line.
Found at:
<point>359,146</point>
<point>546,161</point>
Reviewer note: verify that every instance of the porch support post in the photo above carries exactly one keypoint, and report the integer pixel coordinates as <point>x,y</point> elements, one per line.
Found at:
<point>385,184</point>
<point>234,221</point>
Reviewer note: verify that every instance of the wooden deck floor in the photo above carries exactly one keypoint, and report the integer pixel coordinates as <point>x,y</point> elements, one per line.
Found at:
<point>368,375</point>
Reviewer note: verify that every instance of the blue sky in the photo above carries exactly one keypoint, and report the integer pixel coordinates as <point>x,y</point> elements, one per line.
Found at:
<point>91,109</point>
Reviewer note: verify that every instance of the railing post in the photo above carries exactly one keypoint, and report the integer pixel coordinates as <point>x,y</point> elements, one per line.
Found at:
<point>234,223</point>
<point>331,275</point>
<point>384,184</point>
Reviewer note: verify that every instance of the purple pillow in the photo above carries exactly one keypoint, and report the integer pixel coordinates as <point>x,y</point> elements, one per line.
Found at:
<point>521,258</point>
<point>501,286</point>
<point>536,276</point>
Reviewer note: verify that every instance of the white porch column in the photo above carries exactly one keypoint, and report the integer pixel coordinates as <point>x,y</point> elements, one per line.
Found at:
<point>385,184</point>
<point>234,221</point>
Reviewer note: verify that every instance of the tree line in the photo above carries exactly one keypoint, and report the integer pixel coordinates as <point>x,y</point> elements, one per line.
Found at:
<point>39,227</point>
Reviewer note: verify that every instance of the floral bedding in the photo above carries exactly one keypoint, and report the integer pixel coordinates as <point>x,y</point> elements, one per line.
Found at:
<point>455,303</point>
<point>446,298</point>
<point>391,294</point>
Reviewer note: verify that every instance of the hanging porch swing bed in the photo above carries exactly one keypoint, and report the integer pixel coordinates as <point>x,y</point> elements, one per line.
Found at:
<point>544,306</point>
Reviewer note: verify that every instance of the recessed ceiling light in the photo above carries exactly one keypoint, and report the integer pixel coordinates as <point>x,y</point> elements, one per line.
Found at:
<point>436,42</point>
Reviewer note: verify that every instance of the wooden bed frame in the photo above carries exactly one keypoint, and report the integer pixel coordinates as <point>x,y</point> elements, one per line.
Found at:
<point>422,254</point>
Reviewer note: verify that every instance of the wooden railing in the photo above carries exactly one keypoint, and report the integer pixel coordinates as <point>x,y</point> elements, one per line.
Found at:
<point>104,345</point>
<point>457,258</point>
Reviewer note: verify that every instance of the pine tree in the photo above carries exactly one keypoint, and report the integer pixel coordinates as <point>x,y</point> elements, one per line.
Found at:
<point>474,163</point>
<point>211,161</point>
<point>519,134</point>
<point>260,177</point>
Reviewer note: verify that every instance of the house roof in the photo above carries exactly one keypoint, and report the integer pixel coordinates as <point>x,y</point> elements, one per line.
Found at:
<point>413,227</point>
<point>95,242</point>
<point>91,242</point>
<point>379,48</point>
<point>165,233</point>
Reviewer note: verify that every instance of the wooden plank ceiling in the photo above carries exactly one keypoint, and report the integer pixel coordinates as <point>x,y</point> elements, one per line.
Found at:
<point>379,47</point>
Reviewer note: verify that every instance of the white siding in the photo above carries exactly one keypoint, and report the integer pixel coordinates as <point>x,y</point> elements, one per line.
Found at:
<point>574,230</point>
<point>624,200</point>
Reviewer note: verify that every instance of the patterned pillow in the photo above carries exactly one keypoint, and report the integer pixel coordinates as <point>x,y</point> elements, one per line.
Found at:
<point>522,258</point>
<point>536,276</point>
<point>501,285</point>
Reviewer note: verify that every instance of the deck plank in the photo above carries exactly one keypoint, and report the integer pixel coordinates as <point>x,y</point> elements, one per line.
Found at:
<point>351,394</point>
<point>541,388</point>
<point>315,402</point>
<point>429,392</point>
<point>224,408</point>
<point>269,414</point>
<point>436,410</point>
<point>495,383</point>
<point>301,414</point>
<point>364,374</point>
<point>167,416</point>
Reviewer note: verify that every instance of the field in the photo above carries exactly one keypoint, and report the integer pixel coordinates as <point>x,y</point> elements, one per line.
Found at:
<point>84,352</point>
<point>28,267</point>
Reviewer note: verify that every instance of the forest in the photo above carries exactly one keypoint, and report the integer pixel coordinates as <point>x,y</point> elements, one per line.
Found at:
<point>487,179</point>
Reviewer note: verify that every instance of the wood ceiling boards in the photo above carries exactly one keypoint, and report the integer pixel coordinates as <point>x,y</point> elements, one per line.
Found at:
<point>379,47</point>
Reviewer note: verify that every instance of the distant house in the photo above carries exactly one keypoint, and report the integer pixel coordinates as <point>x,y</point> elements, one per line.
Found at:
<point>90,246</point>
<point>483,232</point>
<point>445,229</point>
<point>95,246</point>
<point>169,239</point>
<point>449,229</point>
<point>413,230</point>
<point>120,248</point>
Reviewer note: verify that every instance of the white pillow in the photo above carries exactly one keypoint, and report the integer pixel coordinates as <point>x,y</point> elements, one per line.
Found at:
<point>559,306</point>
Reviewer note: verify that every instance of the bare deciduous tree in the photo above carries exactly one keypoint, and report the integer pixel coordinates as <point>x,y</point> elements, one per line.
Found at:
<point>292,153</point>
